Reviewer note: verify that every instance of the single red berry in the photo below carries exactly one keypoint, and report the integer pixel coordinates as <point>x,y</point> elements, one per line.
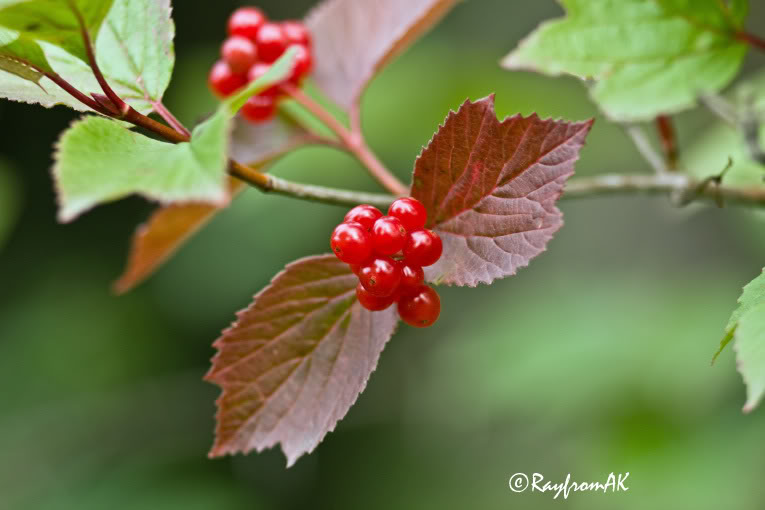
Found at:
<point>388,235</point>
<point>364,214</point>
<point>271,42</point>
<point>371,302</point>
<point>256,72</point>
<point>302,65</point>
<point>423,247</point>
<point>381,276</point>
<point>420,308</point>
<point>239,52</point>
<point>296,33</point>
<point>351,243</point>
<point>246,22</point>
<point>223,81</point>
<point>410,211</point>
<point>259,109</point>
<point>412,276</point>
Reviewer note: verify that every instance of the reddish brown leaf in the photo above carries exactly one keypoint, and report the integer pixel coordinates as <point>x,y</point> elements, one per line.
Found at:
<point>159,238</point>
<point>296,360</point>
<point>490,189</point>
<point>354,39</point>
<point>169,227</point>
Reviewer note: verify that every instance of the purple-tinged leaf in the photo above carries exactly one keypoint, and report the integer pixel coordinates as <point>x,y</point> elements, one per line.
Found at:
<point>490,189</point>
<point>355,39</point>
<point>296,360</point>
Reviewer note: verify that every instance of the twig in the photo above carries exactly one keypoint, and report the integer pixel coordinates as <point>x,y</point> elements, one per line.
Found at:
<point>353,141</point>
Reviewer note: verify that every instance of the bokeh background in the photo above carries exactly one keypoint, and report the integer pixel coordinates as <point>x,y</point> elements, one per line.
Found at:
<point>594,359</point>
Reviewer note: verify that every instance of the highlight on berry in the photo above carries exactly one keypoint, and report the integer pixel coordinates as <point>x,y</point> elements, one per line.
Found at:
<point>388,253</point>
<point>253,44</point>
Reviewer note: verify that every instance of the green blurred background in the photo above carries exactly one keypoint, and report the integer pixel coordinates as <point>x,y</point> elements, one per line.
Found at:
<point>594,359</point>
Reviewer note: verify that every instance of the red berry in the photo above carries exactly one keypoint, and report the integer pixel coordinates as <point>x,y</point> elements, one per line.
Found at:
<point>372,302</point>
<point>410,211</point>
<point>355,268</point>
<point>351,243</point>
<point>364,214</point>
<point>256,72</point>
<point>223,81</point>
<point>380,276</point>
<point>412,276</point>
<point>239,52</point>
<point>246,22</point>
<point>259,109</point>
<point>388,235</point>
<point>420,308</point>
<point>423,247</point>
<point>296,33</point>
<point>302,64</point>
<point>271,42</point>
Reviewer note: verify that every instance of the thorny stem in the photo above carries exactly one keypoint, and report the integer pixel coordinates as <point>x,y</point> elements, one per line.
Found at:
<point>353,140</point>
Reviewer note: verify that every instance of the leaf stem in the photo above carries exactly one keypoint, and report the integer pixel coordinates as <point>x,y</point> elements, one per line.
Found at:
<point>751,40</point>
<point>352,140</point>
<point>665,126</point>
<point>119,104</point>
<point>644,147</point>
<point>166,114</point>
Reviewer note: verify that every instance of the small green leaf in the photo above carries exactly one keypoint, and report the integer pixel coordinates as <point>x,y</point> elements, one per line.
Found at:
<point>98,160</point>
<point>753,294</point>
<point>279,71</point>
<point>135,47</point>
<point>647,57</point>
<point>750,353</point>
<point>18,52</point>
<point>55,21</point>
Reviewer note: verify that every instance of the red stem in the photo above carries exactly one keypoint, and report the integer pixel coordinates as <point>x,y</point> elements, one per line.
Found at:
<point>666,128</point>
<point>751,39</point>
<point>352,141</point>
<point>166,114</point>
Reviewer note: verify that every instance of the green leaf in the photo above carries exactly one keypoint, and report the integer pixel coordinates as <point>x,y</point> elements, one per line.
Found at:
<point>277,73</point>
<point>647,57</point>
<point>753,294</point>
<point>18,52</point>
<point>135,47</point>
<point>55,21</point>
<point>750,353</point>
<point>98,160</point>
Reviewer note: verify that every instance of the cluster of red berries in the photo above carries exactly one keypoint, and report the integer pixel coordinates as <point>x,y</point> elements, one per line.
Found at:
<point>388,253</point>
<point>254,43</point>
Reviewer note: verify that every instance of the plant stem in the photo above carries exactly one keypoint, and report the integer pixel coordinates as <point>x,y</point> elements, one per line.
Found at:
<point>352,141</point>
<point>166,114</point>
<point>666,184</point>
<point>668,137</point>
<point>751,39</point>
<point>119,104</point>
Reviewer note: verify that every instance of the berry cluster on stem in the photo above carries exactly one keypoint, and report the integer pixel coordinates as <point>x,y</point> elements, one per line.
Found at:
<point>388,253</point>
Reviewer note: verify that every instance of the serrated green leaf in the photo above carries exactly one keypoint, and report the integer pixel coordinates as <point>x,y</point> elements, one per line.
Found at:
<point>135,47</point>
<point>648,57</point>
<point>750,353</point>
<point>753,295</point>
<point>55,21</point>
<point>98,160</point>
